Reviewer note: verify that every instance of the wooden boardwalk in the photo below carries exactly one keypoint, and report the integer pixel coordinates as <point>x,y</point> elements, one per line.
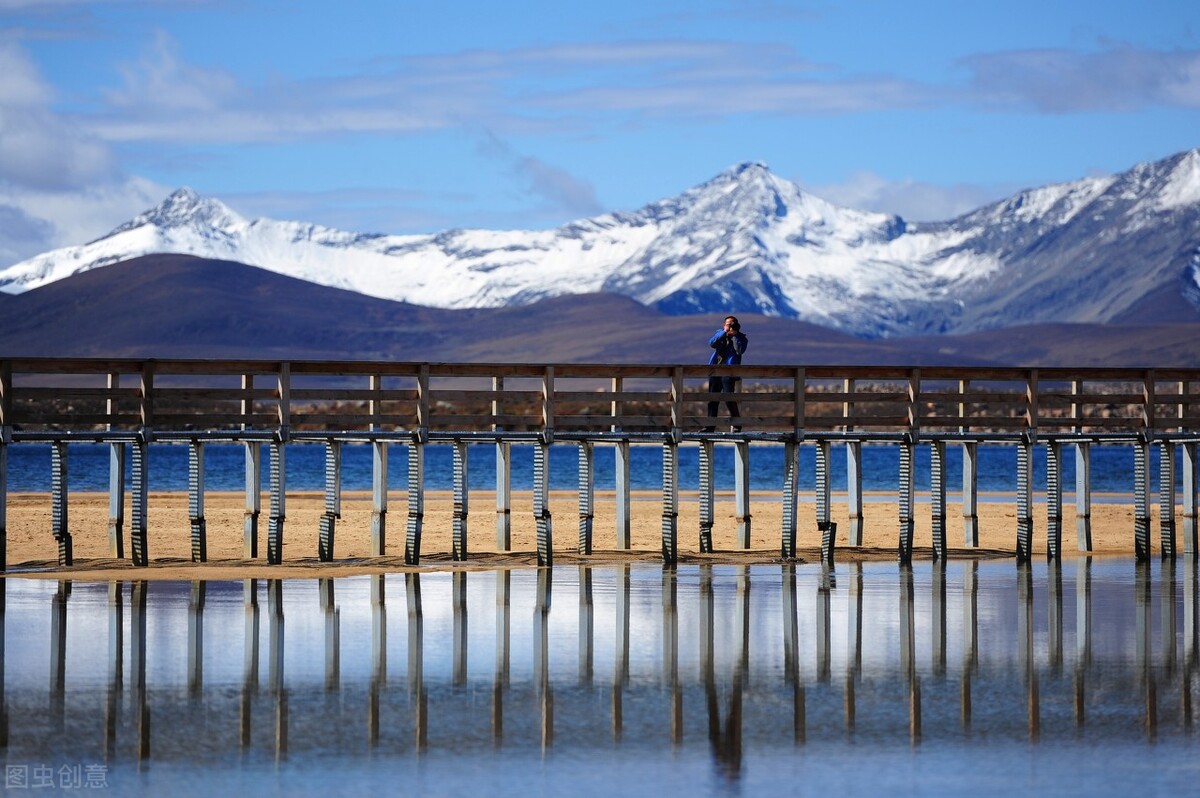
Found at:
<point>131,403</point>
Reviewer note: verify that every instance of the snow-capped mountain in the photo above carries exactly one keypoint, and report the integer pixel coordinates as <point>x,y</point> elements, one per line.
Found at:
<point>1095,250</point>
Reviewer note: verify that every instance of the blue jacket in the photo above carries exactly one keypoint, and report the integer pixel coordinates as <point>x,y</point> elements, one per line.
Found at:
<point>725,351</point>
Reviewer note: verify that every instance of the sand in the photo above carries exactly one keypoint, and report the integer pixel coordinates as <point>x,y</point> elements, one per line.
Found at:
<point>32,550</point>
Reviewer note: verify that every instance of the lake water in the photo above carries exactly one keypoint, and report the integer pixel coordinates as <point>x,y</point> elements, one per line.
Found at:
<point>29,467</point>
<point>632,680</point>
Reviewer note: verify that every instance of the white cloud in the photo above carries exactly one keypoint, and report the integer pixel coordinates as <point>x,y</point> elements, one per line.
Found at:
<point>47,220</point>
<point>1068,81</point>
<point>913,200</point>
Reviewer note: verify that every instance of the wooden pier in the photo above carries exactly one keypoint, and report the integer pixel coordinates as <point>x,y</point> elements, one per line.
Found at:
<point>127,404</point>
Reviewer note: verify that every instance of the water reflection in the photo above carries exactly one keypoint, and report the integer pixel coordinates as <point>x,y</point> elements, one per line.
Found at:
<point>740,663</point>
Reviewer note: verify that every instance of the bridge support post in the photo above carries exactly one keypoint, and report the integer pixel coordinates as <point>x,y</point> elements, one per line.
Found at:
<point>1024,500</point>
<point>59,522</point>
<point>278,503</point>
<point>253,500</point>
<point>3,499</point>
<point>116,500</point>
<point>458,543</point>
<point>503,496</point>
<point>196,501</point>
<point>1083,496</point>
<point>937,497</point>
<point>790,473</point>
<point>970,494</point>
<point>587,495</point>
<point>741,489</point>
<point>670,502</point>
<point>621,476</point>
<point>906,500</point>
<point>1141,500</point>
<point>1189,500</point>
<point>854,492</point>
<point>706,496</point>
<point>1054,498</point>
<point>1166,499</point>
<point>139,494</point>
<point>823,479</point>
<point>416,502</point>
<point>541,503</point>
<point>333,501</point>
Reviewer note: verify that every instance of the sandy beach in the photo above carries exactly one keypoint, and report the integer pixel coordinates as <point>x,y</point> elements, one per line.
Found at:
<point>32,551</point>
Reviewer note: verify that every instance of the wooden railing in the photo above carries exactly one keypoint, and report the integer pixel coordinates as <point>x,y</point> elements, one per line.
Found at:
<point>119,397</point>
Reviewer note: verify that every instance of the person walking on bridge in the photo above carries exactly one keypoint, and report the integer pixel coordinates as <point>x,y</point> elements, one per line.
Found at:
<point>727,344</point>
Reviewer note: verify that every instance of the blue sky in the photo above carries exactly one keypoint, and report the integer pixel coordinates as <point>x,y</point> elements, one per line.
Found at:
<point>404,117</point>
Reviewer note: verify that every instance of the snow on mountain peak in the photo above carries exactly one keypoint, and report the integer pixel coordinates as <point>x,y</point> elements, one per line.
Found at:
<point>185,208</point>
<point>1182,185</point>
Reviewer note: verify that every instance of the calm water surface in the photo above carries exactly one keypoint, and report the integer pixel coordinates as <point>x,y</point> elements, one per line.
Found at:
<point>633,680</point>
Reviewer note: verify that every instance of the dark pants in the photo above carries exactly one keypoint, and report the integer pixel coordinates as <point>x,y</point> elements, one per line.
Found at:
<point>723,385</point>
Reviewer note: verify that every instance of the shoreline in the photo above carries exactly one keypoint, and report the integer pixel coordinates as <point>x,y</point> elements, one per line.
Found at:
<point>32,550</point>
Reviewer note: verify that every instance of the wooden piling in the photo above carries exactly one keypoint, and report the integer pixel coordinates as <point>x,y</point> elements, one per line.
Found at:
<point>59,516</point>
<point>791,470</point>
<point>116,501</point>
<point>1054,499</point>
<point>1190,546</point>
<point>139,494</point>
<point>937,497</point>
<point>416,504</point>
<point>278,504</point>
<point>1166,499</point>
<point>706,496</point>
<point>1025,500</point>
<point>587,495</point>
<point>970,494</point>
<point>854,492</point>
<point>741,489</point>
<point>333,501</point>
<point>670,502</point>
<point>1083,496</point>
<point>1141,500</point>
<point>458,532</point>
<point>196,501</point>
<point>253,459</point>
<point>905,495</point>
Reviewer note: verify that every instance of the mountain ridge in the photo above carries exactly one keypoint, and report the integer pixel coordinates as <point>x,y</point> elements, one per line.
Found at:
<point>180,306</point>
<point>1096,250</point>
